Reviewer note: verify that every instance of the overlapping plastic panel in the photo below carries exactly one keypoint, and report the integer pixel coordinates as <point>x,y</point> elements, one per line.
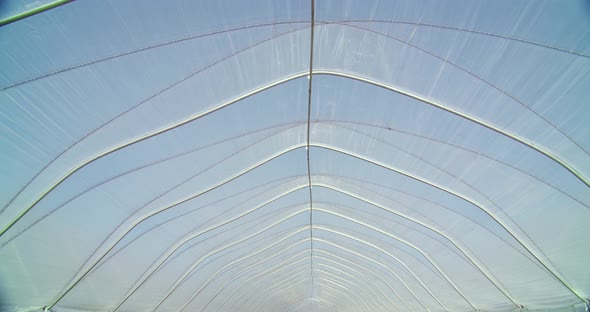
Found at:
<point>185,156</point>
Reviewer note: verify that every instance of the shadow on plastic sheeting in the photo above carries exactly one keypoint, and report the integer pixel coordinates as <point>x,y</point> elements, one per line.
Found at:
<point>3,298</point>
<point>3,8</point>
<point>586,5</point>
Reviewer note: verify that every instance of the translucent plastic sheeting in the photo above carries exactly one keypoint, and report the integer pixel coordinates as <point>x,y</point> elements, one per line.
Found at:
<point>188,156</point>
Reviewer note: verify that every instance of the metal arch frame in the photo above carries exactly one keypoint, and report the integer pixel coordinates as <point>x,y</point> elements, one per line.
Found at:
<point>387,268</point>
<point>364,242</point>
<point>221,270</point>
<point>298,277</point>
<point>260,302</point>
<point>26,14</point>
<point>338,294</point>
<point>261,250</point>
<point>182,241</point>
<point>389,87</point>
<point>304,251</point>
<point>345,124</point>
<point>287,234</point>
<point>255,166</point>
<point>216,274</point>
<point>377,228</point>
<point>274,268</point>
<point>254,301</point>
<point>229,265</point>
<point>339,74</point>
<point>473,202</point>
<point>378,295</point>
<point>245,292</point>
<point>243,172</point>
<point>224,268</point>
<point>149,215</point>
<point>320,302</point>
<point>292,148</point>
<point>335,294</point>
<point>303,302</point>
<point>277,183</point>
<point>340,216</point>
<point>453,176</point>
<point>233,279</point>
<point>82,275</point>
<point>374,296</point>
<point>350,251</point>
<point>453,111</point>
<point>364,279</point>
<point>173,248</point>
<point>292,77</point>
<point>167,88</point>
<point>112,245</point>
<point>368,243</point>
<point>349,218</point>
<point>359,183</point>
<point>477,192</point>
<point>358,197</point>
<point>365,269</point>
<point>508,134</point>
<point>572,170</point>
<point>194,117</point>
<point>331,278</point>
<point>145,137</point>
<point>277,155</point>
<point>142,217</point>
<point>265,274</point>
<point>165,208</point>
<point>449,237</point>
<point>338,287</point>
<point>85,272</point>
<point>219,249</point>
<point>370,295</point>
<point>189,270</point>
<point>235,275</point>
<point>333,285</point>
<point>285,285</point>
<point>474,260</point>
<point>120,238</point>
<point>403,241</point>
<point>333,123</point>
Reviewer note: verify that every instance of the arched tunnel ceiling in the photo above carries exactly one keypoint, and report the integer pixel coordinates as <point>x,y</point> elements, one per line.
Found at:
<point>295,156</point>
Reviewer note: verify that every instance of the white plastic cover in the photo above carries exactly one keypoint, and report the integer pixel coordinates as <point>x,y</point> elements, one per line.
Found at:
<point>185,156</point>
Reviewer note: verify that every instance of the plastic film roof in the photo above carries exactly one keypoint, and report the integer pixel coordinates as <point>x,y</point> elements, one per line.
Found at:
<point>295,156</point>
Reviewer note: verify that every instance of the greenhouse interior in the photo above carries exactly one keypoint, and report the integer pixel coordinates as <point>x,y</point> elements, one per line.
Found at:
<point>281,155</point>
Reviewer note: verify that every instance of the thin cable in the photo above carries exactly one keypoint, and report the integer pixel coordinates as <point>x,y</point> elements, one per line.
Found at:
<point>471,31</point>
<point>310,78</point>
<point>146,48</point>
